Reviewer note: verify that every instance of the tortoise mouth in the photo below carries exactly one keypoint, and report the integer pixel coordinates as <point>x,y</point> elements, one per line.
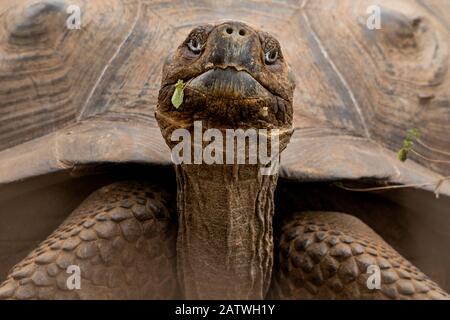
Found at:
<point>228,84</point>
<point>227,96</point>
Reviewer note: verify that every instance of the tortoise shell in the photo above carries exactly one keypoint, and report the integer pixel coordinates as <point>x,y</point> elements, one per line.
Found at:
<point>70,97</point>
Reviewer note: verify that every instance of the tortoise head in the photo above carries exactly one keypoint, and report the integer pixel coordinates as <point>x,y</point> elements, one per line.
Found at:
<point>234,76</point>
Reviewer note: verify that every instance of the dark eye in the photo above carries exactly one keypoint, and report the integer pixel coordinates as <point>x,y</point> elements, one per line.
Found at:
<point>195,46</point>
<point>271,56</point>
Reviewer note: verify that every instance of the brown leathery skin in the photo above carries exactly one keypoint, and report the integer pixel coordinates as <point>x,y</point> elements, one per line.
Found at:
<point>244,52</point>
<point>228,82</point>
<point>225,244</point>
<point>325,255</point>
<point>123,239</point>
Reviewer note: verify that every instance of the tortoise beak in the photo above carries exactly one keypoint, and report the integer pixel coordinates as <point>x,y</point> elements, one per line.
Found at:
<point>232,55</point>
<point>234,44</point>
<point>229,84</point>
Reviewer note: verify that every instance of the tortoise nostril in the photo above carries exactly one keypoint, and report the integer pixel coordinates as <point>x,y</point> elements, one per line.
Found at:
<point>229,30</point>
<point>242,32</point>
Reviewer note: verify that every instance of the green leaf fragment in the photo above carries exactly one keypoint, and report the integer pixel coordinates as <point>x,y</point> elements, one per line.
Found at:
<point>408,143</point>
<point>178,94</point>
<point>413,134</point>
<point>338,184</point>
<point>402,155</point>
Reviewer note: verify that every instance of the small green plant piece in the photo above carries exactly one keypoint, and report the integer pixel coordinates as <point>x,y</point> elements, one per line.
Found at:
<point>411,136</point>
<point>402,155</point>
<point>339,184</point>
<point>178,94</point>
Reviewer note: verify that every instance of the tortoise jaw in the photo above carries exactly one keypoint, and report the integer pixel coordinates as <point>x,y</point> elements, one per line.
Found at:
<point>227,96</point>
<point>228,83</point>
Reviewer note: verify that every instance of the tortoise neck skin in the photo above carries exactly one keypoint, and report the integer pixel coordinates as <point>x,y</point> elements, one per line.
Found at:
<point>236,78</point>
<point>224,244</point>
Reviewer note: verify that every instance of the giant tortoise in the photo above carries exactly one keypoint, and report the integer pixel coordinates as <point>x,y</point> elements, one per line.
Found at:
<point>93,109</point>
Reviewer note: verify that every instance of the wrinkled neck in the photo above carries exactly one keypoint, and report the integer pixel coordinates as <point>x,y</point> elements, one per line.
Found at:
<point>224,245</point>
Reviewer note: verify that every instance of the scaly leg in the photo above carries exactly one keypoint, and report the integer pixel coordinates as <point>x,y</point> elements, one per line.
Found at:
<point>326,255</point>
<point>122,238</point>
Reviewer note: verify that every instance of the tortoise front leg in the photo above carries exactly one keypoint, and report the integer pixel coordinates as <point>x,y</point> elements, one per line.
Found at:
<point>327,255</point>
<point>121,237</point>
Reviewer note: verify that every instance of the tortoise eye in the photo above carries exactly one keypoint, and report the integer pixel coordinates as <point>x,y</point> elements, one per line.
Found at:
<point>196,40</point>
<point>194,45</point>
<point>271,56</point>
